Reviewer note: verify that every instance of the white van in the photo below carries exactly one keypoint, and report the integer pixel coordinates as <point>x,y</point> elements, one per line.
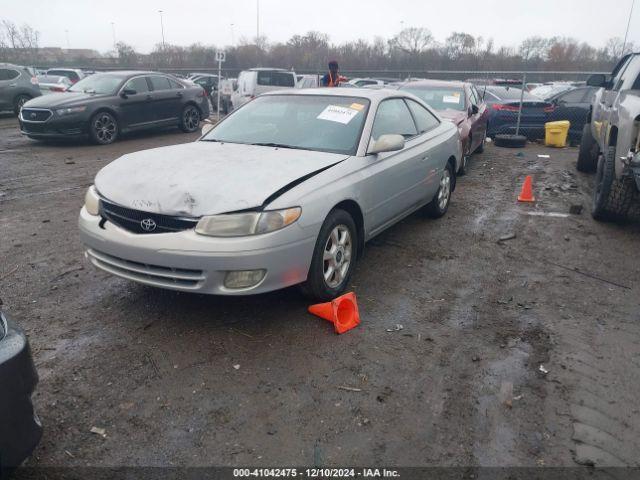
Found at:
<point>256,81</point>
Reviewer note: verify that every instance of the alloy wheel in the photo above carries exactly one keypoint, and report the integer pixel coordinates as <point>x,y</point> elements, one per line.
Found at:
<point>105,128</point>
<point>444,190</point>
<point>191,118</point>
<point>337,256</point>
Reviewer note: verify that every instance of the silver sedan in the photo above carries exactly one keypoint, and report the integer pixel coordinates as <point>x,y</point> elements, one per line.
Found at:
<point>284,191</point>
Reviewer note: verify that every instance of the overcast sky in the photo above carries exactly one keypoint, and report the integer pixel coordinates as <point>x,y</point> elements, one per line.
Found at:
<point>137,22</point>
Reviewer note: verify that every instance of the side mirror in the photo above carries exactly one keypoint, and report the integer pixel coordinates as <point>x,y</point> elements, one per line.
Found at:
<point>597,80</point>
<point>386,143</point>
<point>207,127</point>
<point>474,109</point>
<point>127,91</point>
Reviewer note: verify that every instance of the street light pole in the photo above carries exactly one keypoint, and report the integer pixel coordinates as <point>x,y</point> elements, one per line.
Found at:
<point>113,32</point>
<point>233,41</point>
<point>257,21</point>
<point>66,32</point>
<point>162,28</point>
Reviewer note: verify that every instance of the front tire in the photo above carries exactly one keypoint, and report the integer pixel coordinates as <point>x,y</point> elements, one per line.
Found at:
<point>588,154</point>
<point>612,197</point>
<point>440,203</point>
<point>465,160</point>
<point>190,119</point>
<point>103,128</point>
<point>19,101</point>
<point>480,148</point>
<point>334,257</point>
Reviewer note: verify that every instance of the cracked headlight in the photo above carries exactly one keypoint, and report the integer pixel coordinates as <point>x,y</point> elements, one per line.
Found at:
<point>92,201</point>
<point>71,110</point>
<point>250,223</point>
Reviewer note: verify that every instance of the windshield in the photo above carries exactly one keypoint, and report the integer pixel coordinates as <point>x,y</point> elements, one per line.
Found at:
<point>309,122</point>
<point>106,84</point>
<point>439,98</point>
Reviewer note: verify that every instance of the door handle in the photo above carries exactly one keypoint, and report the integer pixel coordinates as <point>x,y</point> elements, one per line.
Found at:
<point>149,97</point>
<point>13,84</point>
<point>179,94</point>
<point>425,158</point>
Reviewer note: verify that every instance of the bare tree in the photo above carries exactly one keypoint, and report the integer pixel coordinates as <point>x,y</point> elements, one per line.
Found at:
<point>412,40</point>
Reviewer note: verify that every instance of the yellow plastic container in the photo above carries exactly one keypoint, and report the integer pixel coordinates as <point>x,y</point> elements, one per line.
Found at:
<point>555,133</point>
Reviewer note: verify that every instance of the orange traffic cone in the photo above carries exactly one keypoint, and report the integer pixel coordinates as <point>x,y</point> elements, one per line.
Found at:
<point>526,195</point>
<point>341,311</point>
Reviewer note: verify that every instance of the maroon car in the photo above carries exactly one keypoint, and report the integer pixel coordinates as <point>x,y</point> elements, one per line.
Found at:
<point>460,103</point>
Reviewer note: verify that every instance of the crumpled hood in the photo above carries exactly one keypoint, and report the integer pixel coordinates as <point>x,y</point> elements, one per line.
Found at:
<point>454,116</point>
<point>205,178</point>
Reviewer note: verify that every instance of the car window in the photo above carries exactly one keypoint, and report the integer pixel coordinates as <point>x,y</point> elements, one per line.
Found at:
<point>313,122</point>
<point>423,117</point>
<point>8,74</point>
<point>276,79</point>
<point>439,98</point>
<point>473,98</point>
<point>619,79</point>
<point>393,117</point>
<point>572,96</point>
<point>138,84</point>
<point>175,84</point>
<point>159,83</point>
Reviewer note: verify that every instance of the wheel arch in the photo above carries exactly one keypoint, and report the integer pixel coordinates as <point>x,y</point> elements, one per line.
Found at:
<point>353,208</point>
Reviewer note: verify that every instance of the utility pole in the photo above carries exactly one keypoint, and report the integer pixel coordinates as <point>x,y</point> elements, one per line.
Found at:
<point>257,22</point>
<point>113,32</point>
<point>162,29</point>
<point>66,32</point>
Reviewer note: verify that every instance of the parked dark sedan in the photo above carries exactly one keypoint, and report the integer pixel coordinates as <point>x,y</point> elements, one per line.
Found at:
<point>20,428</point>
<point>573,105</point>
<point>504,105</point>
<point>460,103</point>
<point>105,105</point>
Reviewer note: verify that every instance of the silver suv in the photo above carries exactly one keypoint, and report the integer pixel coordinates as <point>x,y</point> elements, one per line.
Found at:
<point>610,143</point>
<point>17,86</point>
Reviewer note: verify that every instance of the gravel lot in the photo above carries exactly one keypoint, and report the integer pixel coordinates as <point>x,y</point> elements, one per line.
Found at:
<point>179,379</point>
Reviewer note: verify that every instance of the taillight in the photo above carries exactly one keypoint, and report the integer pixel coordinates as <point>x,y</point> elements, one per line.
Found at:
<point>58,89</point>
<point>34,80</point>
<point>505,108</point>
<point>549,108</point>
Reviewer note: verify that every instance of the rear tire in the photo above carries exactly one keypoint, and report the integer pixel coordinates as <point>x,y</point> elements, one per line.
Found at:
<point>510,141</point>
<point>18,102</point>
<point>588,154</point>
<point>612,197</point>
<point>440,203</point>
<point>190,119</point>
<point>334,257</point>
<point>103,128</point>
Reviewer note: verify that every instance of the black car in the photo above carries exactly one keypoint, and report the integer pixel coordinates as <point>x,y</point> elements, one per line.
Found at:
<point>105,105</point>
<point>20,428</point>
<point>573,105</point>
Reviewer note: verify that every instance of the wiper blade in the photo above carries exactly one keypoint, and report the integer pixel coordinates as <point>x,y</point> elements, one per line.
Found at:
<point>277,145</point>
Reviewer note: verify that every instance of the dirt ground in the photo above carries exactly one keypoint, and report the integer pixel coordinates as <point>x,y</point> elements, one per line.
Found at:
<point>451,318</point>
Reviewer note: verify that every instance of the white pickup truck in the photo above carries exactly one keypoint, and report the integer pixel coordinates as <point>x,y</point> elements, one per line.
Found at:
<point>610,143</point>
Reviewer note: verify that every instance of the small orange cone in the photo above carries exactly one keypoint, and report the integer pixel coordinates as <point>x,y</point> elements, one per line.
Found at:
<point>341,311</point>
<point>526,195</point>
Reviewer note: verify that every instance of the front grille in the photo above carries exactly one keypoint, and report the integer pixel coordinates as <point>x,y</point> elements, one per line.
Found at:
<point>137,221</point>
<point>35,115</point>
<point>145,273</point>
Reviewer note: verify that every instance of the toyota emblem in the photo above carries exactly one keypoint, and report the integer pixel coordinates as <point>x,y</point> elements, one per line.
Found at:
<point>148,224</point>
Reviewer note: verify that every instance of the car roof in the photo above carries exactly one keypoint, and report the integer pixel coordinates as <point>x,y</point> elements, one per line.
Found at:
<point>371,94</point>
<point>435,83</point>
<point>266,69</point>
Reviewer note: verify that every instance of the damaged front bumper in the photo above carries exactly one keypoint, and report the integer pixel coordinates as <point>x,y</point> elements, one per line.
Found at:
<point>190,262</point>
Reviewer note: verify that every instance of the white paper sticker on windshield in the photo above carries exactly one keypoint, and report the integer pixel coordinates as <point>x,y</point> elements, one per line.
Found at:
<point>455,98</point>
<point>336,113</point>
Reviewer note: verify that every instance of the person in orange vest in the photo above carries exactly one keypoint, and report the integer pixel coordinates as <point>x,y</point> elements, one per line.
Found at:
<point>333,78</point>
